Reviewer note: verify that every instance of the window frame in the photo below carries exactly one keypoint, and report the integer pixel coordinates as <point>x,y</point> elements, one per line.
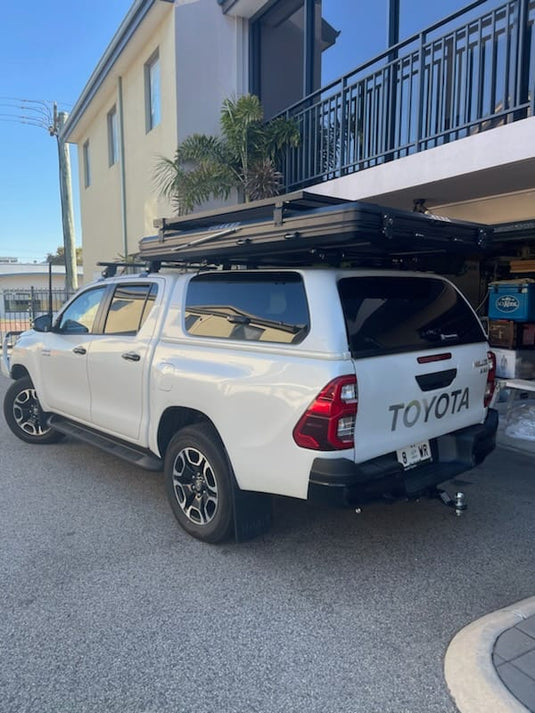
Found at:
<point>153,113</point>
<point>152,292</point>
<point>256,50</point>
<point>95,327</point>
<point>86,163</point>
<point>113,136</point>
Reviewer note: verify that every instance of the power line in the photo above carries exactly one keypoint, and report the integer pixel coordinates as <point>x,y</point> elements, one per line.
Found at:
<point>48,103</point>
<point>21,119</point>
<point>44,114</point>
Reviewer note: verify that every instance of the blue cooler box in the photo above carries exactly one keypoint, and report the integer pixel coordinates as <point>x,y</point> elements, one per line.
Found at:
<point>512,300</point>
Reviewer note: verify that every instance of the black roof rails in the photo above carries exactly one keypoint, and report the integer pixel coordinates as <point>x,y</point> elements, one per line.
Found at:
<point>110,268</point>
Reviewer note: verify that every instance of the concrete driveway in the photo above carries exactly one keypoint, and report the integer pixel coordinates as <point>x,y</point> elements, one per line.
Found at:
<point>106,605</point>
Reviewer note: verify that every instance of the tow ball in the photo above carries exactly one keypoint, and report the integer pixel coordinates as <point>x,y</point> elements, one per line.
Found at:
<point>458,502</point>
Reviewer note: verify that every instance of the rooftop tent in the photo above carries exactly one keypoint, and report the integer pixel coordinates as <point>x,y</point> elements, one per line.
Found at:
<point>307,229</point>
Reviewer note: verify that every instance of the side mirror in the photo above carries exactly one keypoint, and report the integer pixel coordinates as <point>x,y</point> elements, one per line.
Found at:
<point>71,326</point>
<point>43,323</point>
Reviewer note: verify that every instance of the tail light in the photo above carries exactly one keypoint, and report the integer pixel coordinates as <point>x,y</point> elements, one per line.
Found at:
<point>491,379</point>
<point>329,422</point>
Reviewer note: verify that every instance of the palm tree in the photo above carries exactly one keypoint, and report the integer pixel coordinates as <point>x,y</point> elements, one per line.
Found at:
<point>245,156</point>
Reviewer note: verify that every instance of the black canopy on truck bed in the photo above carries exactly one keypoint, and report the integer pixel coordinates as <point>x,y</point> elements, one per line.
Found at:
<point>304,228</point>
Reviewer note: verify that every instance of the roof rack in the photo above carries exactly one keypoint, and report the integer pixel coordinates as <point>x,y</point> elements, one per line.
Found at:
<point>110,268</point>
<point>305,228</point>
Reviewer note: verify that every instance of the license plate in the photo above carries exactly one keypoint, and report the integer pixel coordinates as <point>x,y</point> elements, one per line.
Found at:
<point>414,454</point>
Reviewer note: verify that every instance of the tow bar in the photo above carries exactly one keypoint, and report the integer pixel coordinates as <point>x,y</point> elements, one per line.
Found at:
<point>458,503</point>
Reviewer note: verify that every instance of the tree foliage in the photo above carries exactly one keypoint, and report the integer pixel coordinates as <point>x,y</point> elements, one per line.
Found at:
<point>245,156</point>
<point>58,258</point>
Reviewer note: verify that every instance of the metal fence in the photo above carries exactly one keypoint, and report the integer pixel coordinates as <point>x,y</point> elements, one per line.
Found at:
<point>468,73</point>
<point>19,307</point>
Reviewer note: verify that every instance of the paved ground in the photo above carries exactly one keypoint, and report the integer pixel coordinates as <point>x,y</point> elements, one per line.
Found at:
<point>490,664</point>
<point>514,659</point>
<point>105,606</point>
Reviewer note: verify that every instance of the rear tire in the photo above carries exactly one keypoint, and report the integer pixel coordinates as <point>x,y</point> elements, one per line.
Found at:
<point>199,483</point>
<point>24,414</point>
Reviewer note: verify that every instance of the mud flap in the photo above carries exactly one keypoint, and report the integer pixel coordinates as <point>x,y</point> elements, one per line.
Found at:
<point>252,514</point>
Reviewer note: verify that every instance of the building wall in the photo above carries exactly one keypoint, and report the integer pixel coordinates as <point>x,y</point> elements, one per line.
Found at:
<point>104,236</point>
<point>211,64</point>
<point>24,281</point>
<point>21,279</point>
<point>100,202</point>
<point>142,148</point>
<point>504,208</point>
<point>203,60</point>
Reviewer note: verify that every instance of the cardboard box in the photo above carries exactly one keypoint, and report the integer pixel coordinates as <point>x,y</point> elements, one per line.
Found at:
<point>515,363</point>
<point>511,335</point>
<point>512,300</point>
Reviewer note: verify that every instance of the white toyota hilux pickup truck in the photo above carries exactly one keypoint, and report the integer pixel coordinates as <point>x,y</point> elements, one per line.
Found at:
<point>318,383</point>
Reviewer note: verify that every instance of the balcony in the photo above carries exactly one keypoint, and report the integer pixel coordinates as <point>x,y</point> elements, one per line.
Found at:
<point>470,73</point>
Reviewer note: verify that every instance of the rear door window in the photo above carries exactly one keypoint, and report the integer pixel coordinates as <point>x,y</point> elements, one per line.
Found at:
<point>130,306</point>
<point>264,307</point>
<point>392,314</point>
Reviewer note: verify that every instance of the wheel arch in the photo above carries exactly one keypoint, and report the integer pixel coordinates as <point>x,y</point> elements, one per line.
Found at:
<point>18,371</point>
<point>176,417</point>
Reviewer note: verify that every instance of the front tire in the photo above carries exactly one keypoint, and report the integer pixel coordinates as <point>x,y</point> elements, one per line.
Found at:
<point>24,414</point>
<point>199,483</point>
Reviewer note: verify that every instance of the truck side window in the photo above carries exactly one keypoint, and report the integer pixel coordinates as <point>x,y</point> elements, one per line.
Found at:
<point>79,317</point>
<point>129,308</point>
<point>264,307</point>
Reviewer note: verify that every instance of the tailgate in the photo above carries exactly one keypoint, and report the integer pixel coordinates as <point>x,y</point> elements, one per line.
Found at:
<point>403,401</point>
<point>420,356</point>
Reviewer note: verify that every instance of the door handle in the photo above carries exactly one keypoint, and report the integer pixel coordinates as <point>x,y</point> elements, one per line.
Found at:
<point>131,356</point>
<point>80,350</point>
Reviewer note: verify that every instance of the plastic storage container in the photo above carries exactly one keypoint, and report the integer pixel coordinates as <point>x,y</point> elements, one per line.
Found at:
<point>512,300</point>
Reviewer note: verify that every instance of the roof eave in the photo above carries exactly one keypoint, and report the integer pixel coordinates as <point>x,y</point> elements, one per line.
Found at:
<point>126,30</point>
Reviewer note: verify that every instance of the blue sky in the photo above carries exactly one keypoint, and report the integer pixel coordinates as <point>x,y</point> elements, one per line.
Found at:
<point>48,51</point>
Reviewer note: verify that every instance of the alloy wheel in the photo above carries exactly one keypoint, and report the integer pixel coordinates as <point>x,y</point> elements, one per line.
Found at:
<point>195,486</point>
<point>28,414</point>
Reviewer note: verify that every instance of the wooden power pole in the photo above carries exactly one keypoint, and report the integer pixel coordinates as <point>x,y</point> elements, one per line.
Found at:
<point>65,187</point>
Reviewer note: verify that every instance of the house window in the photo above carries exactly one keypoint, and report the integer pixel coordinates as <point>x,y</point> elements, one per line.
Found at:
<point>152,92</point>
<point>113,146</point>
<point>86,164</point>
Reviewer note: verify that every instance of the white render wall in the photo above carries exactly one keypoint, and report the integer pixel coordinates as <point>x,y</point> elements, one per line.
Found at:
<point>203,60</point>
<point>101,206</point>
<point>211,64</point>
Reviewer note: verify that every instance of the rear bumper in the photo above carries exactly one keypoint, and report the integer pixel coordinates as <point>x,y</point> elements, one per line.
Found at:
<point>341,482</point>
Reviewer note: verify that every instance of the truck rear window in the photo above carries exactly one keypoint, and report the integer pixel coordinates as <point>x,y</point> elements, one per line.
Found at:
<point>392,314</point>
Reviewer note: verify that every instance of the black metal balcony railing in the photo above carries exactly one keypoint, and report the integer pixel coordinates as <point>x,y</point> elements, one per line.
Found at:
<point>472,71</point>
